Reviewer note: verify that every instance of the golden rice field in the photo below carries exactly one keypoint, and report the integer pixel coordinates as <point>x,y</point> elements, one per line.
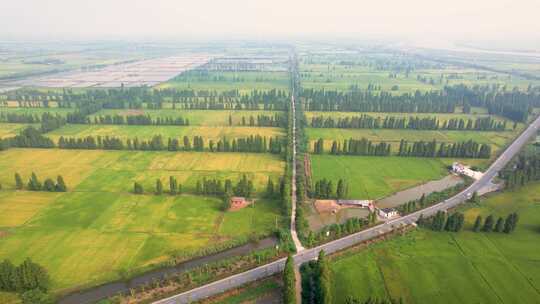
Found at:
<point>99,231</point>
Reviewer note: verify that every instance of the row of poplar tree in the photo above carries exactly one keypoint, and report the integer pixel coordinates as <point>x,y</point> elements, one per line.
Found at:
<point>414,123</point>
<point>32,138</point>
<point>365,147</point>
<point>506,225</point>
<point>34,184</point>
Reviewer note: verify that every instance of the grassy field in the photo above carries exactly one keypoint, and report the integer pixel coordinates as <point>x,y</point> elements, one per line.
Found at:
<point>341,78</point>
<point>99,230</point>
<point>223,81</point>
<point>467,267</point>
<point>11,129</point>
<point>373,177</point>
<point>145,132</point>
<point>195,117</point>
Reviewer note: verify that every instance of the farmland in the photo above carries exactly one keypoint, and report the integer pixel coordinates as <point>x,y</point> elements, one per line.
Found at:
<point>376,177</point>
<point>430,267</point>
<point>224,81</point>
<point>98,229</point>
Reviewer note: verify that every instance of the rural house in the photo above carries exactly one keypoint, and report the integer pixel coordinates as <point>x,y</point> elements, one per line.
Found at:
<point>388,212</point>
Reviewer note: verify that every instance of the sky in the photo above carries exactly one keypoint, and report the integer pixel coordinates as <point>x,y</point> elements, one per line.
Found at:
<point>436,20</point>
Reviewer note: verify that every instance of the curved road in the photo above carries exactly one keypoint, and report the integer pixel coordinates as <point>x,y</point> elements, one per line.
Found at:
<point>353,239</point>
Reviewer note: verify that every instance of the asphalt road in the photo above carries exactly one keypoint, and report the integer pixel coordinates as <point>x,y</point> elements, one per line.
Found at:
<point>353,239</point>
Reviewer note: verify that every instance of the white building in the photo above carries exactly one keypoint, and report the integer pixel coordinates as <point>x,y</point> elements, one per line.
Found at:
<point>388,212</point>
<point>465,170</point>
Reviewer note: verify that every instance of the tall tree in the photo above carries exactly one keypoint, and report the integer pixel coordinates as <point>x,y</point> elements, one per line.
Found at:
<point>289,282</point>
<point>159,187</point>
<point>18,182</point>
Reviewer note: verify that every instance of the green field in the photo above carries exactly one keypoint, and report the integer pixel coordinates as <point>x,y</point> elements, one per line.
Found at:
<point>145,132</point>
<point>465,267</point>
<point>341,78</point>
<point>224,81</point>
<point>98,229</point>
<point>195,117</point>
<point>372,177</point>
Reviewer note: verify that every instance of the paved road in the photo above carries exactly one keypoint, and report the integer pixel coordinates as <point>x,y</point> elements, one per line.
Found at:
<point>348,241</point>
<point>294,235</point>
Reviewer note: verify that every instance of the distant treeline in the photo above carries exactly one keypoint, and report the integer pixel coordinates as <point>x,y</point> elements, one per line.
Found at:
<point>415,123</point>
<point>134,98</point>
<point>276,120</point>
<point>47,120</point>
<point>514,104</point>
<point>365,147</point>
<point>32,138</point>
<point>141,120</point>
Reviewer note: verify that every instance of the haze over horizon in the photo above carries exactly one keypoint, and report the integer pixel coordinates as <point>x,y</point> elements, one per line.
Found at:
<point>511,22</point>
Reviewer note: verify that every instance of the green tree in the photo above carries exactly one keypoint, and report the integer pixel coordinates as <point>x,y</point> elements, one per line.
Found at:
<point>173,186</point>
<point>477,223</point>
<point>488,224</point>
<point>48,185</point>
<point>159,187</point>
<point>33,183</point>
<point>18,182</point>
<point>499,227</point>
<point>60,184</point>
<point>35,296</point>
<point>325,280</point>
<point>137,188</point>
<point>289,282</point>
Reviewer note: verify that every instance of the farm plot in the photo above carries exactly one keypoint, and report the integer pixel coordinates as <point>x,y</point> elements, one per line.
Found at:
<point>430,267</point>
<point>112,171</point>
<point>372,177</point>
<point>146,132</point>
<point>343,78</point>
<point>224,81</point>
<point>195,117</point>
<point>99,231</point>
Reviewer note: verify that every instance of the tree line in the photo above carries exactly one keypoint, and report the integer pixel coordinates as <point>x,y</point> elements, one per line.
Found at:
<point>513,104</point>
<point>442,222</point>
<point>467,149</point>
<point>276,120</point>
<point>139,120</point>
<point>324,189</point>
<point>507,225</point>
<point>365,147</point>
<point>34,184</point>
<point>414,123</point>
<point>134,98</point>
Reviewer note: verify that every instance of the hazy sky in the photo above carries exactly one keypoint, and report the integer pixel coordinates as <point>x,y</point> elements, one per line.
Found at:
<point>455,19</point>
